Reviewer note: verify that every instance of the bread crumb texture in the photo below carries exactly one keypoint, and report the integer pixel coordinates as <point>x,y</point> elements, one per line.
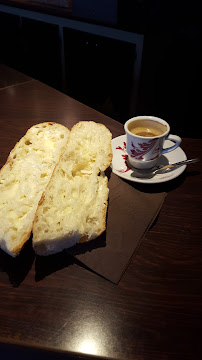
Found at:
<point>74,204</point>
<point>23,179</point>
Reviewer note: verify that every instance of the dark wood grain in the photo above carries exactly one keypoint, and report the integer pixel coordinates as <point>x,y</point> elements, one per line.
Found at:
<point>58,306</point>
<point>9,77</point>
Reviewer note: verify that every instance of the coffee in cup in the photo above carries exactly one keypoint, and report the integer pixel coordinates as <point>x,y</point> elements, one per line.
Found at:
<point>145,137</point>
<point>147,128</point>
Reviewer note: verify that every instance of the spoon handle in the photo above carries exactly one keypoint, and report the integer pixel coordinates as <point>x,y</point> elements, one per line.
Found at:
<point>188,161</point>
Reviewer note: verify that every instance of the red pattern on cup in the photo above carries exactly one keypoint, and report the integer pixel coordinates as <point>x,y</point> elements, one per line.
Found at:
<point>139,151</point>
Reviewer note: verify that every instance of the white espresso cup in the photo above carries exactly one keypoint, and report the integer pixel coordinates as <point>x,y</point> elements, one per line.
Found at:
<point>145,137</point>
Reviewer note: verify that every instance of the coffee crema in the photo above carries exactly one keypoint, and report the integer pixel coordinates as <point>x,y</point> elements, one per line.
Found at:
<point>147,128</point>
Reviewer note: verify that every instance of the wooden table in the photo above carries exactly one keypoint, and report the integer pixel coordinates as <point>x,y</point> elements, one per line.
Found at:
<point>155,312</point>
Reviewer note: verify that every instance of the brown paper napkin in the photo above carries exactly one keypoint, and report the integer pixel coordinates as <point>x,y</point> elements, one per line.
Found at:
<point>130,214</point>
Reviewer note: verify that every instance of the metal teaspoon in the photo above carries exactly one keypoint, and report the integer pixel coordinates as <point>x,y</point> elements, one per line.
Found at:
<point>162,169</point>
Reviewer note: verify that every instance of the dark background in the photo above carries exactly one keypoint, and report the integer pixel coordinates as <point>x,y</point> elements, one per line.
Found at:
<point>99,70</point>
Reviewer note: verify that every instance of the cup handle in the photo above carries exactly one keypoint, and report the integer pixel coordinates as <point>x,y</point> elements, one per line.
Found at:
<point>176,139</point>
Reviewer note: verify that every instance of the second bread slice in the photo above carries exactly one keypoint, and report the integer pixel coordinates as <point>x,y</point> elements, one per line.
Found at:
<point>73,207</point>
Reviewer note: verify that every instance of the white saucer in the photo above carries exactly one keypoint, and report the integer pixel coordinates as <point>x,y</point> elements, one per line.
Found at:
<point>120,168</point>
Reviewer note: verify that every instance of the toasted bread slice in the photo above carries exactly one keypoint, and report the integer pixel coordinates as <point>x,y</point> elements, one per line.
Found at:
<point>74,204</point>
<point>23,179</point>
